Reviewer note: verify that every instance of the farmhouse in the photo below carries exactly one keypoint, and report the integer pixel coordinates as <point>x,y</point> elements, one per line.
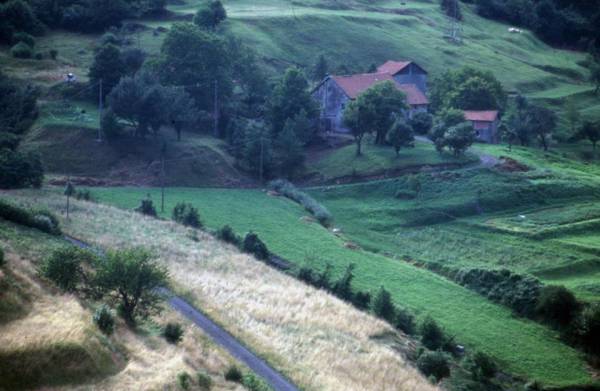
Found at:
<point>485,124</point>
<point>334,92</point>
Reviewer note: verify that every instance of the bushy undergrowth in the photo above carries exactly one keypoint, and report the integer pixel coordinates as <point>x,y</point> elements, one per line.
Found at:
<point>184,380</point>
<point>253,245</point>
<point>18,170</point>
<point>184,213</point>
<point>233,374</point>
<point>146,207</point>
<point>519,292</point>
<point>1,257</point>
<point>434,364</point>
<point>104,319</point>
<point>290,191</point>
<point>65,267</point>
<point>173,332</point>
<point>227,235</point>
<point>204,381</point>
<point>254,383</point>
<point>39,219</point>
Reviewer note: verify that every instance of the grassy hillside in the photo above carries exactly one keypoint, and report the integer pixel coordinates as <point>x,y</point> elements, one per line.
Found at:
<point>283,226</point>
<point>47,338</point>
<point>317,340</point>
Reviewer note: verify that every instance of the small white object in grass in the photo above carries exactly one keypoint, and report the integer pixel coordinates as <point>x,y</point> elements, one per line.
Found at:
<point>336,230</point>
<point>522,217</point>
<point>514,30</point>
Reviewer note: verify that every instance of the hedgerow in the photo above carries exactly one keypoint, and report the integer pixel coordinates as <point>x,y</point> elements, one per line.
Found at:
<point>39,219</point>
<point>290,191</point>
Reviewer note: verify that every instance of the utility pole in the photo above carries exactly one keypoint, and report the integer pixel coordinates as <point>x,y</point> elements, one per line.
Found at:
<point>100,112</point>
<point>162,177</point>
<point>261,158</point>
<point>216,109</point>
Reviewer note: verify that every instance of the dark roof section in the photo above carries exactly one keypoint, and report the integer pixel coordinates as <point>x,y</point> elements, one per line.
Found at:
<point>355,85</point>
<point>481,115</point>
<point>393,67</point>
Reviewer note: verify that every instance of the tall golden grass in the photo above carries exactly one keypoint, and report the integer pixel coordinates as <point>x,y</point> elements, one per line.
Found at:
<point>319,341</point>
<point>53,340</point>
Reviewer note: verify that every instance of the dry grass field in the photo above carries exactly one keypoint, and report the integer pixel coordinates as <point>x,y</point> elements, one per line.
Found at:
<point>47,339</point>
<point>319,341</point>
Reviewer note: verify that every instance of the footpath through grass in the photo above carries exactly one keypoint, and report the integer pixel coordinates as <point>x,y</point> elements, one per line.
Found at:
<point>523,347</point>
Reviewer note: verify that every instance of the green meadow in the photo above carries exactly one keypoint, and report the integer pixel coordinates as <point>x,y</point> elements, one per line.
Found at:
<point>524,347</point>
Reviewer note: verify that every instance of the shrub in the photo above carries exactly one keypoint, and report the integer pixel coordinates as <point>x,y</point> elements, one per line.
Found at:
<point>25,38</point>
<point>42,220</point>
<point>432,336</point>
<point>481,366</point>
<point>84,195</point>
<point>557,305</point>
<point>254,383</point>
<point>53,54</point>
<point>109,123</point>
<point>361,300</point>
<point>310,204</point>
<point>39,56</point>
<point>519,292</point>
<point>404,321</point>
<point>306,275</point>
<point>253,245</point>
<point>146,207</point>
<point>21,50</point>
<point>434,364</point>
<point>173,333</point>
<point>589,328</point>
<point>421,122</point>
<point>184,380</point>
<point>186,214</point>
<point>18,170</point>
<point>104,319</point>
<point>64,267</point>
<point>233,374</point>
<point>226,234</point>
<point>1,257</point>
<point>383,306</point>
<point>204,381</point>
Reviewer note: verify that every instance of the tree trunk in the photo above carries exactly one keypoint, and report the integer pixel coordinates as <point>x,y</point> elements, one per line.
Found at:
<point>358,146</point>
<point>68,207</point>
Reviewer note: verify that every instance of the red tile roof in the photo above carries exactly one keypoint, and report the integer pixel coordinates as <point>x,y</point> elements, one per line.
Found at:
<point>393,67</point>
<point>481,115</point>
<point>354,85</point>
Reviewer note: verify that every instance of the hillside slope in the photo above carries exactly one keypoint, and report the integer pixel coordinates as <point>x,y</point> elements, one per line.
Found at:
<point>317,340</point>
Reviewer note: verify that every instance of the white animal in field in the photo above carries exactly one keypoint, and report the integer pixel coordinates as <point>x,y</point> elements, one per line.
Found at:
<point>514,30</point>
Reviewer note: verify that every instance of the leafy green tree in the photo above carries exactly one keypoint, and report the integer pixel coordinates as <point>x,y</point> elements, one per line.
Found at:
<point>290,97</point>
<point>182,112</point>
<point>432,336</point>
<point>540,122</point>
<point>476,93</point>
<point>20,169</point>
<point>320,69</point>
<point>198,61</point>
<point>210,15</point>
<point>383,306</point>
<point>65,268</point>
<point>451,117</point>
<point>343,287</point>
<point>132,60</point>
<point>18,105</point>
<point>371,111</point>
<point>289,153</point>
<point>591,132</point>
<point>557,305</point>
<point>459,138</point>
<point>434,364</point>
<point>108,67</point>
<point>133,278</point>
<point>481,366</point>
<point>185,213</point>
<point>454,88</point>
<point>111,128</point>
<point>258,151</point>
<point>15,16</point>
<point>401,135</point>
<point>589,328</point>
<point>302,126</point>
<point>421,122</point>
<point>249,74</point>
<point>253,245</point>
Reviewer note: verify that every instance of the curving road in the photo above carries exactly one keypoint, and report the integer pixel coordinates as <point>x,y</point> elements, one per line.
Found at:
<point>276,380</point>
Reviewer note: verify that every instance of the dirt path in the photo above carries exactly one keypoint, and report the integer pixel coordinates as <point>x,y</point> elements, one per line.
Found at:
<point>236,348</point>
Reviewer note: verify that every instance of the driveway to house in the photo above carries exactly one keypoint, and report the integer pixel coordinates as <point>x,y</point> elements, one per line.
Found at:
<point>237,349</point>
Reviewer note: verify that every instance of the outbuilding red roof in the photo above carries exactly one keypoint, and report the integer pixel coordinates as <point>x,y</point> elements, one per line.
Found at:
<point>354,85</point>
<point>393,67</point>
<point>481,115</point>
